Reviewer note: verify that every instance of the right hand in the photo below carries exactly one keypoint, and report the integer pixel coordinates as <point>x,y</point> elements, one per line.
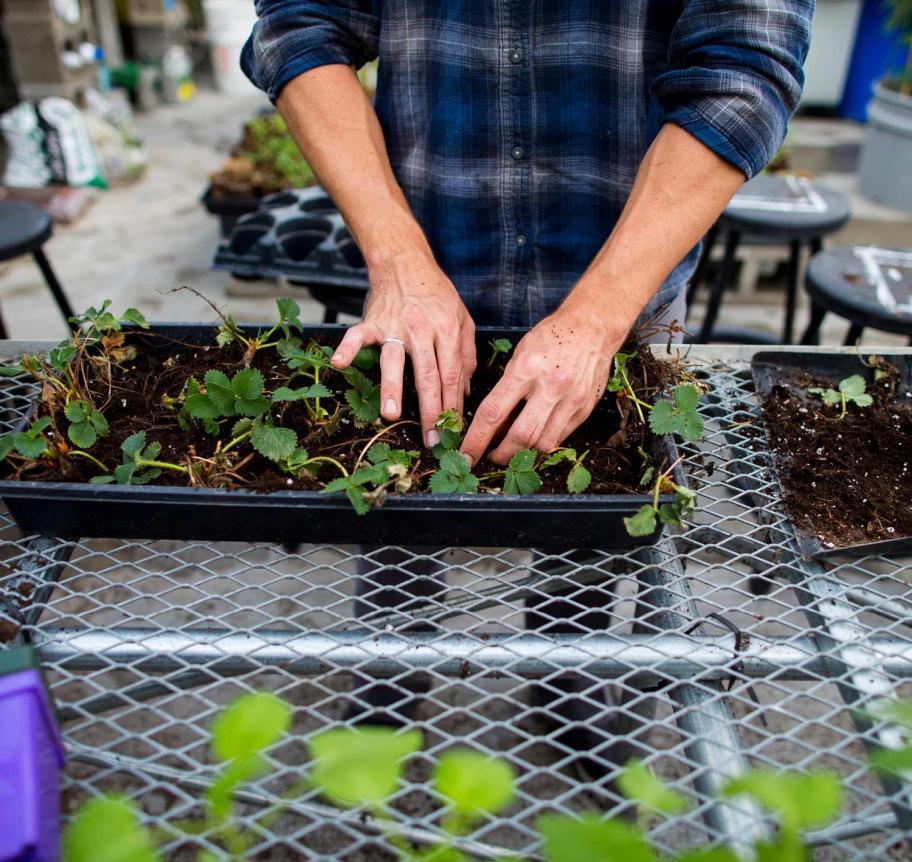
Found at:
<point>411,299</point>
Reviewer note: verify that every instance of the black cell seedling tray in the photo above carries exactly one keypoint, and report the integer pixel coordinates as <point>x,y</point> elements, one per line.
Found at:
<point>775,368</point>
<point>76,510</point>
<point>298,234</point>
<point>228,210</point>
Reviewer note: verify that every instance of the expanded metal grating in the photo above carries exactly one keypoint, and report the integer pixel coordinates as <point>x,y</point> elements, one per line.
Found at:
<point>721,648</point>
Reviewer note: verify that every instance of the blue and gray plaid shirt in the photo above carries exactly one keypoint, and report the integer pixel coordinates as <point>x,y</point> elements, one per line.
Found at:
<point>516,127</point>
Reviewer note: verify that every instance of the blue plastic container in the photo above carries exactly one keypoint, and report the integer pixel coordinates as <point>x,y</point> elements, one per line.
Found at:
<point>31,757</point>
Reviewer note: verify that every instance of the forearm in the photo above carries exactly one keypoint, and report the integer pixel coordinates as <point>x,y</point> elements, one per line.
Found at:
<point>338,132</point>
<point>679,192</point>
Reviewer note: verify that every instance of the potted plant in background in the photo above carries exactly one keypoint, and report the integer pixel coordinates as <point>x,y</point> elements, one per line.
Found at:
<point>885,175</point>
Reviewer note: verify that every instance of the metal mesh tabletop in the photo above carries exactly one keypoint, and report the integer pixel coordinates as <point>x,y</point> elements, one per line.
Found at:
<point>720,649</point>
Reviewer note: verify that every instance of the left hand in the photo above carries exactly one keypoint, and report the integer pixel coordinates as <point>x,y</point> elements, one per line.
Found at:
<point>560,369</point>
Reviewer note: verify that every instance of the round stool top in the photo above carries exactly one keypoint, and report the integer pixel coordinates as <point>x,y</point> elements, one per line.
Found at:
<point>786,206</point>
<point>23,228</point>
<point>866,285</point>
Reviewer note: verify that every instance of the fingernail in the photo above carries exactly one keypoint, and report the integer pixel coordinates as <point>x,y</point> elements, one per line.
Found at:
<point>468,458</point>
<point>433,437</point>
<point>336,357</point>
<point>390,407</point>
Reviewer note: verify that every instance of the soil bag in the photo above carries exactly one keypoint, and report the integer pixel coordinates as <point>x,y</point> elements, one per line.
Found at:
<point>49,144</point>
<point>31,757</point>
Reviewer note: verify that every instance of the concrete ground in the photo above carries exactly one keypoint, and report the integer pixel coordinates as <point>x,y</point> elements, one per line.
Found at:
<point>139,241</point>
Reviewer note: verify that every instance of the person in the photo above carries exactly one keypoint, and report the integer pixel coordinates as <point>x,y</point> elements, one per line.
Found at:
<point>551,165</point>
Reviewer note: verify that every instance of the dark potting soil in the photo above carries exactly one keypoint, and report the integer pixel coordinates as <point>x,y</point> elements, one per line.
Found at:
<point>136,400</point>
<point>846,481</point>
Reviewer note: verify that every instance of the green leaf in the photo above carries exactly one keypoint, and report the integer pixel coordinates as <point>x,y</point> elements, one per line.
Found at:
<point>474,783</point>
<point>30,447</point>
<point>13,370</point>
<point>558,456</point>
<point>798,800</point>
<point>77,411</point>
<point>893,760</point>
<point>864,400</point>
<point>686,398</point>
<point>451,421</point>
<point>289,315</point>
<point>590,838</point>
<point>107,829</point>
<point>102,480</point>
<point>316,390</point>
<point>894,711</point>
<point>708,854</point>
<point>520,477</point>
<point>852,386</point>
<point>380,453</point>
<point>7,444</point>
<point>662,419</point>
<point>219,392</point>
<point>691,426</point>
<point>131,315</point>
<point>253,408</point>
<point>83,434</point>
<point>247,384</point>
<point>361,766</point>
<point>364,408</point>
<point>643,523</point>
<point>249,725</point>
<point>366,358</point>
<point>454,476</point>
<point>579,479</point>
<point>276,444</point>
<point>639,784</point>
<point>99,423</point>
<point>829,396</point>
<point>133,445</point>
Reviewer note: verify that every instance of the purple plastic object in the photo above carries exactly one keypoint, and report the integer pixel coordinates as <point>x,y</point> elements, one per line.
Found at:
<point>31,757</point>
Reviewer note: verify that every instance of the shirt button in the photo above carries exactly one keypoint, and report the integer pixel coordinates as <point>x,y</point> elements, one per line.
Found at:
<point>521,239</point>
<point>517,153</point>
<point>516,55</point>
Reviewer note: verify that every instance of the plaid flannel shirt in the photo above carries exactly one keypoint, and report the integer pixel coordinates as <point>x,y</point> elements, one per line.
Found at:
<point>516,127</point>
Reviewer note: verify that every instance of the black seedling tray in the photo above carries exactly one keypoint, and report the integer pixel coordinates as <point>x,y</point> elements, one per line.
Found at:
<point>298,234</point>
<point>228,210</point>
<point>778,368</point>
<point>77,510</point>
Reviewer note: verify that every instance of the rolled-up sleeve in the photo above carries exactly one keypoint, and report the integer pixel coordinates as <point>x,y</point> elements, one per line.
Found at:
<point>293,36</point>
<point>735,75</point>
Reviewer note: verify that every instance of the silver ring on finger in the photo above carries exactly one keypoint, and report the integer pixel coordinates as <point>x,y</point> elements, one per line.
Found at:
<point>393,340</point>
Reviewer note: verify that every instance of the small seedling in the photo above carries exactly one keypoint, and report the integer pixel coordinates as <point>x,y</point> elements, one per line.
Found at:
<point>520,476</point>
<point>364,396</point>
<point>499,346</point>
<point>644,522</point>
<point>579,478</point>
<point>851,390</point>
<point>140,463</point>
<point>454,476</point>
<point>242,395</point>
<point>86,424</point>
<point>30,443</point>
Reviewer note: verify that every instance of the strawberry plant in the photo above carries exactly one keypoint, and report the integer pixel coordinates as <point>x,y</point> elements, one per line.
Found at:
<point>579,478</point>
<point>139,465</point>
<point>644,522</point>
<point>499,346</point>
<point>851,391</point>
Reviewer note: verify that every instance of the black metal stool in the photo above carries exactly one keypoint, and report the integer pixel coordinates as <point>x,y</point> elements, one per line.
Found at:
<point>868,286</point>
<point>773,209</point>
<point>24,229</point>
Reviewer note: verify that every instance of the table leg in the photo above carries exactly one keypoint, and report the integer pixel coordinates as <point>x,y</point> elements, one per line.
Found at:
<point>791,298</point>
<point>853,334</point>
<point>59,296</point>
<point>330,315</point>
<point>812,333</point>
<point>723,279</point>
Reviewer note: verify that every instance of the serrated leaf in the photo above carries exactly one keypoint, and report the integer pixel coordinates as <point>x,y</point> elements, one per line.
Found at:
<point>289,314</point>
<point>643,523</point>
<point>247,384</point>
<point>13,370</point>
<point>132,315</point>
<point>276,444</point>
<point>82,434</point>
<point>7,444</point>
<point>242,426</point>
<point>686,397</point>
<point>662,420</point>
<point>101,480</point>
<point>100,423</point>
<point>30,447</point>
<point>366,358</point>
<point>450,420</point>
<point>829,396</point>
<point>364,409</point>
<point>253,409</point>
<point>288,347</point>
<point>123,473</point>
<point>863,400</point>
<point>285,393</point>
<point>691,426</point>
<point>443,482</point>
<point>77,411</point>
<point>579,479</point>
<point>200,407</point>
<point>133,445</point>
<point>520,477</point>
<point>646,478</point>
<point>558,456</point>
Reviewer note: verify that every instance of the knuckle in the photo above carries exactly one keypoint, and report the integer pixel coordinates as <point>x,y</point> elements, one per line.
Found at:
<point>490,412</point>
<point>450,379</point>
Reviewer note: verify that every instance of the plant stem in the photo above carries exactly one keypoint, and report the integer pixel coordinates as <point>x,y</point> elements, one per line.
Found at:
<point>632,396</point>
<point>164,465</point>
<point>238,439</point>
<point>92,458</point>
<point>328,460</point>
<point>378,435</point>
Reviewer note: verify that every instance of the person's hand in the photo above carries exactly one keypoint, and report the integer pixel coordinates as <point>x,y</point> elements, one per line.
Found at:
<point>560,369</point>
<point>413,307</point>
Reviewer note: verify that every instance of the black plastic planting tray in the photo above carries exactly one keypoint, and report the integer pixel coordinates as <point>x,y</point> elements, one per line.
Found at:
<point>76,510</point>
<point>228,210</point>
<point>775,368</point>
<point>298,234</point>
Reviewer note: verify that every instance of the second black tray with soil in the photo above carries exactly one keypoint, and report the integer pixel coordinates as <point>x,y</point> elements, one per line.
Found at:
<point>845,474</point>
<point>267,504</point>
